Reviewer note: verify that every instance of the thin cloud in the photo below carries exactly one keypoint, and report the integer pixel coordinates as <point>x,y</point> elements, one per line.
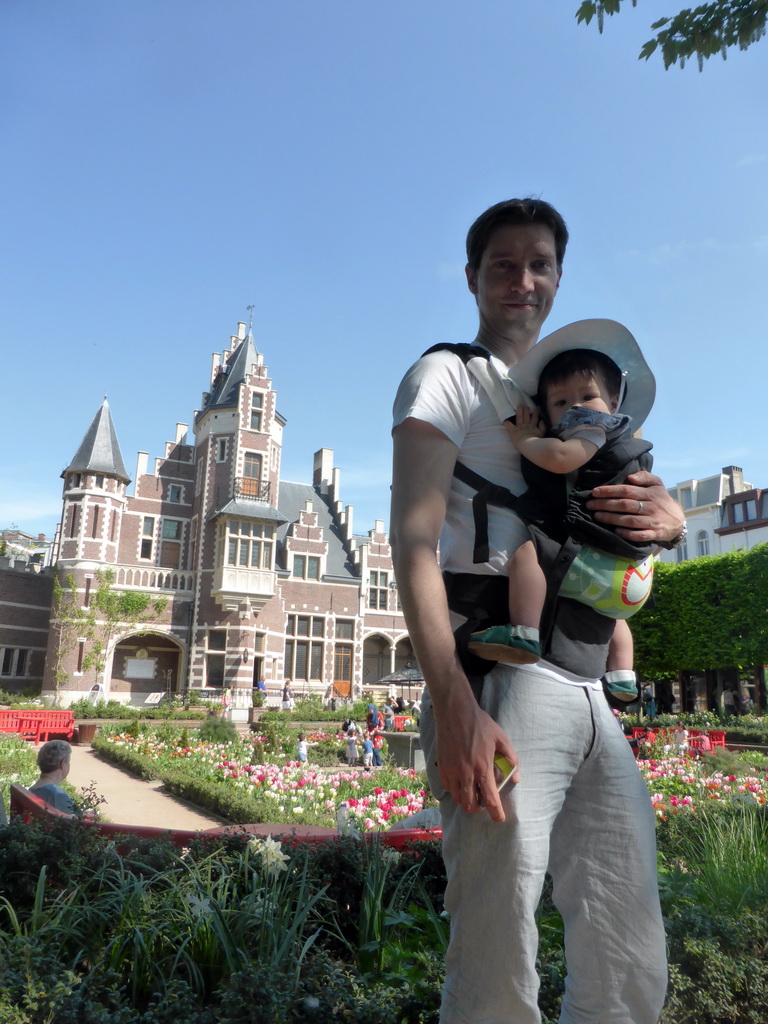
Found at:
<point>750,161</point>
<point>669,253</point>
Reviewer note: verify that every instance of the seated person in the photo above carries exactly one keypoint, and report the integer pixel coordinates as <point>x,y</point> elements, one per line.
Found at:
<point>53,760</point>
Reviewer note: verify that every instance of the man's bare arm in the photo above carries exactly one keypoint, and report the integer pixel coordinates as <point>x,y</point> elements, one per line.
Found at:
<point>640,509</point>
<point>467,738</point>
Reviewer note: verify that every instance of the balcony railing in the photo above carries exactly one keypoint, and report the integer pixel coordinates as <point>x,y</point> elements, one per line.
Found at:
<point>253,490</point>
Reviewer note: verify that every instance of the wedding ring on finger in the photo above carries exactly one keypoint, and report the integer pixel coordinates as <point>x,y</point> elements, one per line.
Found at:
<point>639,507</point>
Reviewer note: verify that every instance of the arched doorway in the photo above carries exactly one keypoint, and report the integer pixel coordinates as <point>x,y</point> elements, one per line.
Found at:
<point>145,664</point>
<point>377,658</point>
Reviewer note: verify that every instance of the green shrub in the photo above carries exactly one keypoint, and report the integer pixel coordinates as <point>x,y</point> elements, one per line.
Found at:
<point>216,729</point>
<point>327,753</point>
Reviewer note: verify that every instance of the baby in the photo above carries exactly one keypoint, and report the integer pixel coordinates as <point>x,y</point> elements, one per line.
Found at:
<point>578,437</point>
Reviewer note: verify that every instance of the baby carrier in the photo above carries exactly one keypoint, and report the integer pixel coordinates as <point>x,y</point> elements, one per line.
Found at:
<point>573,635</point>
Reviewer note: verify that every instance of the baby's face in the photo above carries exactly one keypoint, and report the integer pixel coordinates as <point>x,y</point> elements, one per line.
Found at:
<point>578,390</point>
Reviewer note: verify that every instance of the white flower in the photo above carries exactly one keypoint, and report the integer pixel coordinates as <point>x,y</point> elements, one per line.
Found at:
<point>273,860</point>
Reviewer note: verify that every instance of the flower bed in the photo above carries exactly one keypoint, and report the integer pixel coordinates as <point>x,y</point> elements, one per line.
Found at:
<point>285,792</point>
<point>682,783</point>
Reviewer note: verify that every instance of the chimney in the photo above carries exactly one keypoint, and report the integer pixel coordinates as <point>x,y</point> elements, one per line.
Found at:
<point>323,469</point>
<point>735,478</point>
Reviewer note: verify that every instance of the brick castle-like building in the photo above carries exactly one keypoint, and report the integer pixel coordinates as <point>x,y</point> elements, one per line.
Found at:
<point>264,578</point>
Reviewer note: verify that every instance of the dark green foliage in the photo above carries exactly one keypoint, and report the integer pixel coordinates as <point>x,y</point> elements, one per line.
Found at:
<point>707,613</point>
<point>327,753</point>
<point>216,729</point>
<point>701,32</point>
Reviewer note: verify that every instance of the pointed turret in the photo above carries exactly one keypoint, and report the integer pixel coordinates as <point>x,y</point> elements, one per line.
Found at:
<point>224,392</point>
<point>99,451</point>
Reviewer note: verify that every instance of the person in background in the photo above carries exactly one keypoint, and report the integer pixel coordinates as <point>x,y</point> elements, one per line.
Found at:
<point>367,750</point>
<point>54,760</point>
<point>302,748</point>
<point>287,702</point>
<point>352,752</point>
<point>389,716</point>
<point>378,742</point>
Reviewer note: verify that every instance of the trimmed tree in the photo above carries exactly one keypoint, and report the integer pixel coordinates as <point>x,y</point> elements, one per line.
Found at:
<point>707,613</point>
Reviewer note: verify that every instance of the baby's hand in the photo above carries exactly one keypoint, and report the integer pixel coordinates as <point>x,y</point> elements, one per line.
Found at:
<point>528,425</point>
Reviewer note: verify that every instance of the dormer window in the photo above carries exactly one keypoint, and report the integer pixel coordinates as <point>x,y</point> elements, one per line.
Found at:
<point>306,567</point>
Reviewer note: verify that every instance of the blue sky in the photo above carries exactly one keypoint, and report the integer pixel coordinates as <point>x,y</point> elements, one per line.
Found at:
<point>166,163</point>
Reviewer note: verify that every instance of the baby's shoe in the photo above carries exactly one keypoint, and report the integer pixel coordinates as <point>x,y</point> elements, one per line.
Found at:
<point>511,645</point>
<point>621,684</point>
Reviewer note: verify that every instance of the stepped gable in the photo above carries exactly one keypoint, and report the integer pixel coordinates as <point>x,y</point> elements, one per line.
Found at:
<point>225,388</point>
<point>99,451</point>
<point>292,501</point>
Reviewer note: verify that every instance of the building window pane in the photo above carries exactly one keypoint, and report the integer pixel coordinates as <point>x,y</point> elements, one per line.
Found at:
<point>702,543</point>
<point>171,529</point>
<point>214,670</point>
<point>344,629</point>
<point>257,405</point>
<point>217,639</point>
<point>316,668</point>
<point>300,671</point>
<point>299,565</point>
<point>313,568</point>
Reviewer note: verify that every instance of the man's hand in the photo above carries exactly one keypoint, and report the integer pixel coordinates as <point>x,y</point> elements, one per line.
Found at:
<point>528,424</point>
<point>640,509</point>
<point>468,739</point>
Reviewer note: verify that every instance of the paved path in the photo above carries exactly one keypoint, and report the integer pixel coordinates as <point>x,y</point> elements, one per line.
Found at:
<point>133,801</point>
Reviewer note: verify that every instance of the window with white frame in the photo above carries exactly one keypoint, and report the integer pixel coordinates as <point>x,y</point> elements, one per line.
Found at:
<point>257,410</point>
<point>304,647</point>
<point>214,657</point>
<point>221,449</point>
<point>174,493</point>
<point>306,567</point>
<point>147,537</point>
<point>682,552</point>
<point>378,586</point>
<point>170,544</point>
<point>702,543</point>
<point>248,544</point>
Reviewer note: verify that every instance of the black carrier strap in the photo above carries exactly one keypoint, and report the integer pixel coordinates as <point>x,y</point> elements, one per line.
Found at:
<point>464,351</point>
<point>486,493</point>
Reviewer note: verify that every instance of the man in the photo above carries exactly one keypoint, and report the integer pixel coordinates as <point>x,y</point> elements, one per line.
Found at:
<point>577,805</point>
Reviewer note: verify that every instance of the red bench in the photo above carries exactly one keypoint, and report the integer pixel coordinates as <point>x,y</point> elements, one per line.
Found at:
<point>9,721</point>
<point>29,807</point>
<point>38,725</point>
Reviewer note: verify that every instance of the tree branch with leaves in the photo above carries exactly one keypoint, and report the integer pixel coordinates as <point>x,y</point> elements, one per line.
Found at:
<point>700,32</point>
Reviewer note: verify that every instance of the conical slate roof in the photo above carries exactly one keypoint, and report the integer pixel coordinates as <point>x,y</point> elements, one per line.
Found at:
<point>224,393</point>
<point>99,451</point>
